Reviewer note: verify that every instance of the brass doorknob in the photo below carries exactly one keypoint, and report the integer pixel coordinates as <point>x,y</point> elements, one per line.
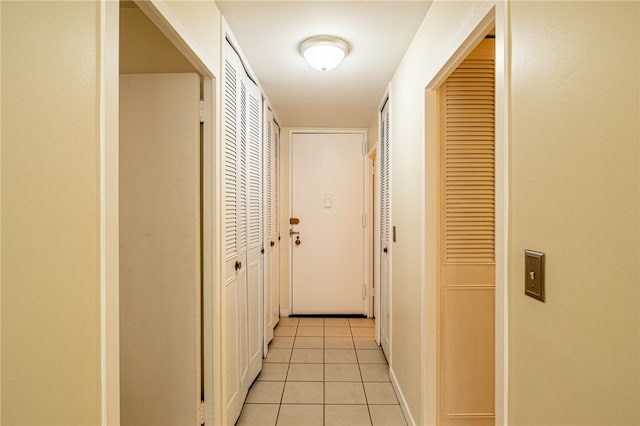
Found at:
<point>298,242</point>
<point>273,243</point>
<point>238,265</point>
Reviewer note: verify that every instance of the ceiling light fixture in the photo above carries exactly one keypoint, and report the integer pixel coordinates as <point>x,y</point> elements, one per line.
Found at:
<point>324,52</point>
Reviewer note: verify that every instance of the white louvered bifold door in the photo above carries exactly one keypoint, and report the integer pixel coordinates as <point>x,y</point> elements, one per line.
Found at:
<point>242,234</point>
<point>467,235</point>
<point>231,303</point>
<point>272,246</point>
<point>254,229</point>
<point>385,230</point>
<point>275,209</point>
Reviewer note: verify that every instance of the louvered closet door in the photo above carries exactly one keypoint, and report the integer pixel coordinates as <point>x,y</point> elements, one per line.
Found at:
<point>272,246</point>
<point>467,270</point>
<point>276,237</point>
<point>242,233</point>
<point>385,231</point>
<point>231,253</point>
<point>254,230</point>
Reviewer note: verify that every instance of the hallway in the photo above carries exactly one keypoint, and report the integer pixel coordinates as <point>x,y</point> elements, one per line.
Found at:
<point>323,371</point>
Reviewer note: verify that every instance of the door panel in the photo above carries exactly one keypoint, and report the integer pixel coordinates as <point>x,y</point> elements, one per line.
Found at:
<point>242,234</point>
<point>467,235</point>
<point>328,199</point>
<point>233,306</point>
<point>254,229</point>
<point>272,231</point>
<point>159,249</point>
<point>469,340</point>
<point>384,318</point>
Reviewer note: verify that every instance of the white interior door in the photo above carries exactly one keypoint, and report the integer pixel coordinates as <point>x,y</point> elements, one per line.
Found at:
<point>385,232</point>
<point>272,229</point>
<point>328,200</point>
<point>234,280</point>
<point>242,234</point>
<point>255,237</point>
<point>159,249</point>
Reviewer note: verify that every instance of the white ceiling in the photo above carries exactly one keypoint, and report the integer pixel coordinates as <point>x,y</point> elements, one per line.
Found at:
<point>269,32</point>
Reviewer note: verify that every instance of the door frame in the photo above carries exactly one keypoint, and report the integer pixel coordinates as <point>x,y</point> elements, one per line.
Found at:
<point>366,241</point>
<point>109,73</point>
<point>498,17</point>
<point>371,201</point>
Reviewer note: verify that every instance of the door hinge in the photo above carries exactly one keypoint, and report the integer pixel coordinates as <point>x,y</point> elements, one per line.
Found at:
<point>364,220</point>
<point>201,111</point>
<point>364,291</point>
<point>201,412</point>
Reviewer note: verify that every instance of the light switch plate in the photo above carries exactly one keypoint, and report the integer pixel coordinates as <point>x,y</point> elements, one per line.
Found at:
<point>534,274</point>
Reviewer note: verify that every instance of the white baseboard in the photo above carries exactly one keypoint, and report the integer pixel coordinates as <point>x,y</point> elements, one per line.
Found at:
<point>403,402</point>
<point>284,312</point>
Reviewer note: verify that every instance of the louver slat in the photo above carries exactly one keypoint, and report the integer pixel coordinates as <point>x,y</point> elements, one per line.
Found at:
<point>230,179</point>
<point>242,199</point>
<point>269,177</point>
<point>254,170</point>
<point>385,199</point>
<point>469,156</point>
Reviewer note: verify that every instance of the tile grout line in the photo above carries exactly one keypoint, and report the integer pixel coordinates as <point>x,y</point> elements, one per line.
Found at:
<point>324,386</point>
<point>366,400</point>
<point>286,375</point>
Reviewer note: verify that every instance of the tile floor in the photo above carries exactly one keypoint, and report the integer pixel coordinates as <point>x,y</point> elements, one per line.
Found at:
<point>323,371</point>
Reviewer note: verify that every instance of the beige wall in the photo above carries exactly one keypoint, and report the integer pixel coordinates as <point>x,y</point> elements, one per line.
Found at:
<point>575,196</point>
<point>198,27</point>
<point>144,49</point>
<point>372,130</point>
<point>444,29</point>
<point>50,214</point>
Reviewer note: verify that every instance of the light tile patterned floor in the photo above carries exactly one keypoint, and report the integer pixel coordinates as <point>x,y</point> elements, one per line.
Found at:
<point>325,372</point>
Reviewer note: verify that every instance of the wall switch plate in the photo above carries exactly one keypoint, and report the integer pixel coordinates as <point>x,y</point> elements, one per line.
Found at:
<point>328,201</point>
<point>534,274</point>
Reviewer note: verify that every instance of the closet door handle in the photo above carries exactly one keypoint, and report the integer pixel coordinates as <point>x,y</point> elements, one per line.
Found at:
<point>238,265</point>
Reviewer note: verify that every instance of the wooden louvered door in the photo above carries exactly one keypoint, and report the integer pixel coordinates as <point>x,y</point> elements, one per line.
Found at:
<point>467,235</point>
<point>272,246</point>
<point>242,233</point>
<point>385,232</point>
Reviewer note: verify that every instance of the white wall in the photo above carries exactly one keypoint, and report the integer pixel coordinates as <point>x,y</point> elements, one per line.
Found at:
<point>575,195</point>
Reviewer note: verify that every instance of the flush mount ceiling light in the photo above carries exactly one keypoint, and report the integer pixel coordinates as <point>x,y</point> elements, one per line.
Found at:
<point>324,52</point>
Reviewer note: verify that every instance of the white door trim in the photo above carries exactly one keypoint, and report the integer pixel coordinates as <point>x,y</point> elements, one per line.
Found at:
<point>109,212</point>
<point>371,230</point>
<point>293,132</point>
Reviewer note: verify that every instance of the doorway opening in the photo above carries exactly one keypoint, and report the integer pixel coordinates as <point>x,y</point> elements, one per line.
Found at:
<point>165,186</point>
<point>461,175</point>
